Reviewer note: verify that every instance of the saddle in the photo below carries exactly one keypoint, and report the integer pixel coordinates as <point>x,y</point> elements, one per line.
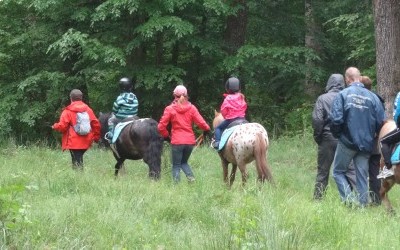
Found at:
<point>236,122</point>
<point>395,159</point>
<point>229,130</point>
<point>118,128</point>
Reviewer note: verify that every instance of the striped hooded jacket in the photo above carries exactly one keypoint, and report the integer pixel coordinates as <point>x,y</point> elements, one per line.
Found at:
<point>126,105</point>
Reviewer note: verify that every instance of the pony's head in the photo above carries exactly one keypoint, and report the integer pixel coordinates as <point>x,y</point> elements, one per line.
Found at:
<point>103,119</point>
<point>218,118</point>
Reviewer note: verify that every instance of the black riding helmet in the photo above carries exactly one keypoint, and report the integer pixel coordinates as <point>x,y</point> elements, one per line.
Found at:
<point>232,85</point>
<point>125,84</point>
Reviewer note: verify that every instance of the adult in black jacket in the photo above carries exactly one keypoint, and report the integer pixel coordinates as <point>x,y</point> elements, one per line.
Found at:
<point>375,158</point>
<point>323,136</point>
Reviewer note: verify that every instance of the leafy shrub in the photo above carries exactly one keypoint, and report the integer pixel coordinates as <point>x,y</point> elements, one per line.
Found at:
<point>13,215</point>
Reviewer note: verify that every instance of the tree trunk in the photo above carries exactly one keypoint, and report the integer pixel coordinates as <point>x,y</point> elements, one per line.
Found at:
<point>236,27</point>
<point>387,38</point>
<point>310,86</point>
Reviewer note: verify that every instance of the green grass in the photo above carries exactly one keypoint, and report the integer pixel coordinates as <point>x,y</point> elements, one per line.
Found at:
<point>63,209</point>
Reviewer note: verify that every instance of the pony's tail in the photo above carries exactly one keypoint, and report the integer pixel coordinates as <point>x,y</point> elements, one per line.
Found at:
<point>154,151</point>
<point>260,153</point>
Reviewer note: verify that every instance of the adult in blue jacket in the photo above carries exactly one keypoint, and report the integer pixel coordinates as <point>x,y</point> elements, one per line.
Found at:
<point>356,117</point>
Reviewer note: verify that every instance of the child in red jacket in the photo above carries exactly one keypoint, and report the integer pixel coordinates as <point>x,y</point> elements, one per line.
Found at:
<point>181,114</point>
<point>234,107</point>
<point>76,143</point>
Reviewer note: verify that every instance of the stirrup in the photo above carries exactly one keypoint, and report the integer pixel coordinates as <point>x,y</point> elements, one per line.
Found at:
<point>108,137</point>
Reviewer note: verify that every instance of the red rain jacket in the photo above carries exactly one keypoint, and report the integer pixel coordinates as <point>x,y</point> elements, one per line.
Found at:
<point>234,106</point>
<point>181,117</point>
<point>70,139</point>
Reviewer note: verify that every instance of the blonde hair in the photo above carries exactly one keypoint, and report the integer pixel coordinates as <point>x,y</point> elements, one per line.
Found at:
<point>352,74</point>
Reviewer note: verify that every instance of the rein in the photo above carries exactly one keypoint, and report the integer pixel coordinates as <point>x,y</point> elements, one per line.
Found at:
<point>199,140</point>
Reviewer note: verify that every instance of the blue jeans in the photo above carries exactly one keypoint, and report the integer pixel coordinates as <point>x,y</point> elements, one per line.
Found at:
<point>221,127</point>
<point>180,157</point>
<point>343,157</point>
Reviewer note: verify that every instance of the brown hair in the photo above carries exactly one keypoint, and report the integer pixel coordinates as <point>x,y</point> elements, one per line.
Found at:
<point>366,81</point>
<point>76,95</point>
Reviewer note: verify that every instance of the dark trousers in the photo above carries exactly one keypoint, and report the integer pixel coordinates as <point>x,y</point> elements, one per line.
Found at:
<point>77,157</point>
<point>374,183</point>
<point>326,154</point>
<point>112,121</point>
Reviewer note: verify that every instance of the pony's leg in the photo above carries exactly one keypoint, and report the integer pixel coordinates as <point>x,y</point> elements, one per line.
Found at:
<point>154,163</point>
<point>243,170</point>
<point>387,184</point>
<point>118,165</point>
<point>233,174</point>
<point>225,164</point>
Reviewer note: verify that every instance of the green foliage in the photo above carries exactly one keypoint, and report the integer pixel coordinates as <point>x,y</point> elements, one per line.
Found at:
<point>358,30</point>
<point>13,215</point>
<point>114,9</point>
<point>156,24</point>
<point>76,44</point>
<point>299,120</point>
<point>50,47</point>
<point>217,7</point>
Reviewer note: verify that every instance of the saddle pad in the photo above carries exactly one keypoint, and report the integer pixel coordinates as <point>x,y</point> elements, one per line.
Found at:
<point>118,129</point>
<point>395,159</point>
<point>225,136</point>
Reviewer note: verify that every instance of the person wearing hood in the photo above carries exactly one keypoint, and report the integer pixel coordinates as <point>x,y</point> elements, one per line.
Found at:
<point>76,143</point>
<point>323,136</point>
<point>181,115</point>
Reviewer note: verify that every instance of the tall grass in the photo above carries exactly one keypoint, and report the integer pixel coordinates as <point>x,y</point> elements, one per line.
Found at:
<point>60,208</point>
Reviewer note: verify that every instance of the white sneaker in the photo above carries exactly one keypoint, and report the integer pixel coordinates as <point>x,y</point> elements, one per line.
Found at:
<point>385,173</point>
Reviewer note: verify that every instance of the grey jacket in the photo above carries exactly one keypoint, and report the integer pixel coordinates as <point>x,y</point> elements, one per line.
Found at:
<point>322,108</point>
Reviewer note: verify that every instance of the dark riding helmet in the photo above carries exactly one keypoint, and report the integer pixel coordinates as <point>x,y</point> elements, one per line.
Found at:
<point>125,84</point>
<point>232,85</point>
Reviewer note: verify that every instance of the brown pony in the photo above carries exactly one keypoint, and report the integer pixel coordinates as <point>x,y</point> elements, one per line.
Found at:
<point>388,183</point>
<point>247,143</point>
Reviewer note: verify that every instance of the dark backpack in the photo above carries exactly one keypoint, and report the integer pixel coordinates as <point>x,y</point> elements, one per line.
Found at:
<point>82,126</point>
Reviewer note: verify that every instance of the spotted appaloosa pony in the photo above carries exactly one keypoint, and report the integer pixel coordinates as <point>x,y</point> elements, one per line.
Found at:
<point>388,183</point>
<point>138,140</point>
<point>247,143</point>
